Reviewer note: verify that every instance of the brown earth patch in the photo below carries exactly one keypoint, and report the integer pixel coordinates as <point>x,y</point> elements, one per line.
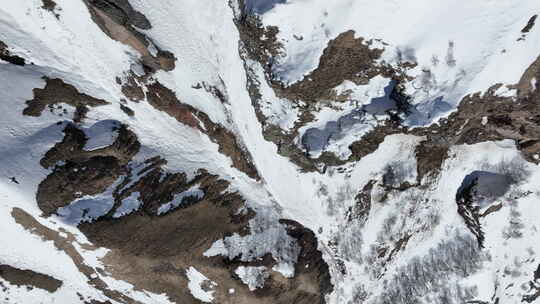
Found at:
<point>524,86</point>
<point>131,87</point>
<point>29,278</point>
<point>479,118</point>
<point>345,58</point>
<point>118,20</point>
<point>66,245</point>
<point>164,99</point>
<point>57,91</point>
<point>506,118</point>
<point>82,172</point>
<point>154,252</point>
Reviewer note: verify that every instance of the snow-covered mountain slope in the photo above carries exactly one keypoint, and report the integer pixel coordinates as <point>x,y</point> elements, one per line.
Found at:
<point>285,151</point>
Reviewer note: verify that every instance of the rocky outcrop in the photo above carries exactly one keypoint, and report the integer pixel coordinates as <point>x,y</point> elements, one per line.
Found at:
<point>55,93</point>
<point>7,56</point>
<point>29,278</point>
<point>120,21</point>
<point>77,172</point>
<point>164,99</point>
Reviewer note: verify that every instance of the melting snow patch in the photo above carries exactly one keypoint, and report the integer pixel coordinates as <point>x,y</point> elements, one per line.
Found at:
<point>194,193</point>
<point>200,286</point>
<point>253,277</point>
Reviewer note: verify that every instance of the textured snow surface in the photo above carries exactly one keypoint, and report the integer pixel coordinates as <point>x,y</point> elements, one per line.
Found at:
<point>466,46</point>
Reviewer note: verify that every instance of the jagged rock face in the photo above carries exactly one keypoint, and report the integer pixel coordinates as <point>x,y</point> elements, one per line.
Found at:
<point>269,152</point>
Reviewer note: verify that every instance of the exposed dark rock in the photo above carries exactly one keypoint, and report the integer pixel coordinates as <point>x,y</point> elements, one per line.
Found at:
<point>478,190</point>
<point>156,259</point>
<point>82,172</point>
<point>131,88</point>
<point>470,212</point>
<point>50,6</point>
<point>430,156</point>
<point>56,92</point>
<point>345,58</point>
<point>530,24</point>
<point>534,292</point>
<point>120,21</point>
<point>127,110</point>
<point>7,56</point>
<point>349,58</point>
<point>29,223</point>
<point>399,245</point>
<point>122,12</point>
<point>26,277</point>
<point>165,100</point>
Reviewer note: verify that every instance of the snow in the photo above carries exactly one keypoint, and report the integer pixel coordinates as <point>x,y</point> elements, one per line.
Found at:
<point>88,207</point>
<point>217,248</point>
<point>335,128</point>
<point>266,236</point>
<point>252,276</point>
<point>192,193</point>
<point>195,285</point>
<point>76,50</point>
<point>474,44</point>
<point>278,111</point>
<point>102,134</point>
<point>128,205</point>
<point>286,269</point>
